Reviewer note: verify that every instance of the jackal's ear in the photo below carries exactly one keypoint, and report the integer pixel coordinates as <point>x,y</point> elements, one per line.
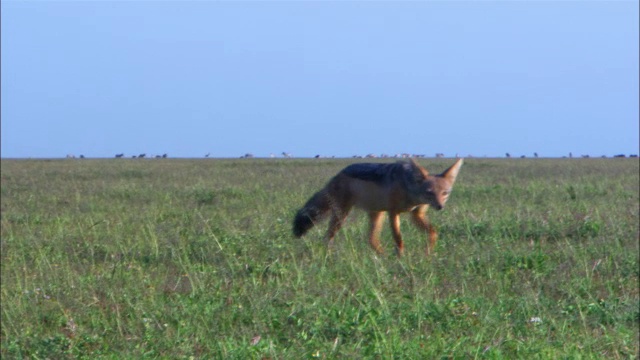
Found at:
<point>452,172</point>
<point>419,171</point>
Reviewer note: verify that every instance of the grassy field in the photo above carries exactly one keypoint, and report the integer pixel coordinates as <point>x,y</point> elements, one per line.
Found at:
<point>176,258</point>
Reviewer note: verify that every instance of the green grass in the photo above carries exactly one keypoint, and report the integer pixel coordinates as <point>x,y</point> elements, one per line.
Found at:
<point>170,258</point>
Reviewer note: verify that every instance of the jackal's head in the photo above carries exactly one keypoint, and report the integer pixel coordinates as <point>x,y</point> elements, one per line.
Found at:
<point>434,190</point>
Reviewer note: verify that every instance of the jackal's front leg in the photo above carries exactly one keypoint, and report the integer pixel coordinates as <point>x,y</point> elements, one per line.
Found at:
<point>419,217</point>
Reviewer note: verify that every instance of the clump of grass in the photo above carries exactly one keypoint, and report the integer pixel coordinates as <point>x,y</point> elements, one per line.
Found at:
<point>217,196</point>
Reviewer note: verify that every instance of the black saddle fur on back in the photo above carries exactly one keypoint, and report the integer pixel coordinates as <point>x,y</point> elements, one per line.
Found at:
<point>378,172</point>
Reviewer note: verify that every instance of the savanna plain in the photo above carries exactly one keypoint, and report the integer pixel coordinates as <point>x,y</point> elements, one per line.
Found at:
<point>194,259</point>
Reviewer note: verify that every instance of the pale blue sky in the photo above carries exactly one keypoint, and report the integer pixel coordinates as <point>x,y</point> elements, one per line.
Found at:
<point>319,77</point>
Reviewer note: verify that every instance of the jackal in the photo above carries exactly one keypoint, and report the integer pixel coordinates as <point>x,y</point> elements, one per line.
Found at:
<point>377,188</point>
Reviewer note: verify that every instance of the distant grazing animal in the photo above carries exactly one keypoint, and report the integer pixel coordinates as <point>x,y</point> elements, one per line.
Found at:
<point>141,156</point>
<point>119,156</point>
<point>378,188</point>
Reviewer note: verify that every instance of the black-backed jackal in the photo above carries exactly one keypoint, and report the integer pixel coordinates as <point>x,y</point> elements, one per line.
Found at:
<point>378,188</point>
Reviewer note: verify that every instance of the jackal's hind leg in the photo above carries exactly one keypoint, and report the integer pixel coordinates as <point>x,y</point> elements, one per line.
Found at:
<point>375,223</point>
<point>338,216</point>
<point>394,221</point>
<point>419,217</point>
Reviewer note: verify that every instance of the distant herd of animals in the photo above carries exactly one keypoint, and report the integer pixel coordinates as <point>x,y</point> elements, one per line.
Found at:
<point>142,156</point>
<point>368,156</point>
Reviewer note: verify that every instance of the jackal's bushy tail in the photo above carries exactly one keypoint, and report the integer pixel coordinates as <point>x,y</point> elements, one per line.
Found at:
<point>313,211</point>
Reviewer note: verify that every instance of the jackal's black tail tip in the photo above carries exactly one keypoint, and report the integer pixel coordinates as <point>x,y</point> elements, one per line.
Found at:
<point>301,224</point>
<point>316,208</point>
